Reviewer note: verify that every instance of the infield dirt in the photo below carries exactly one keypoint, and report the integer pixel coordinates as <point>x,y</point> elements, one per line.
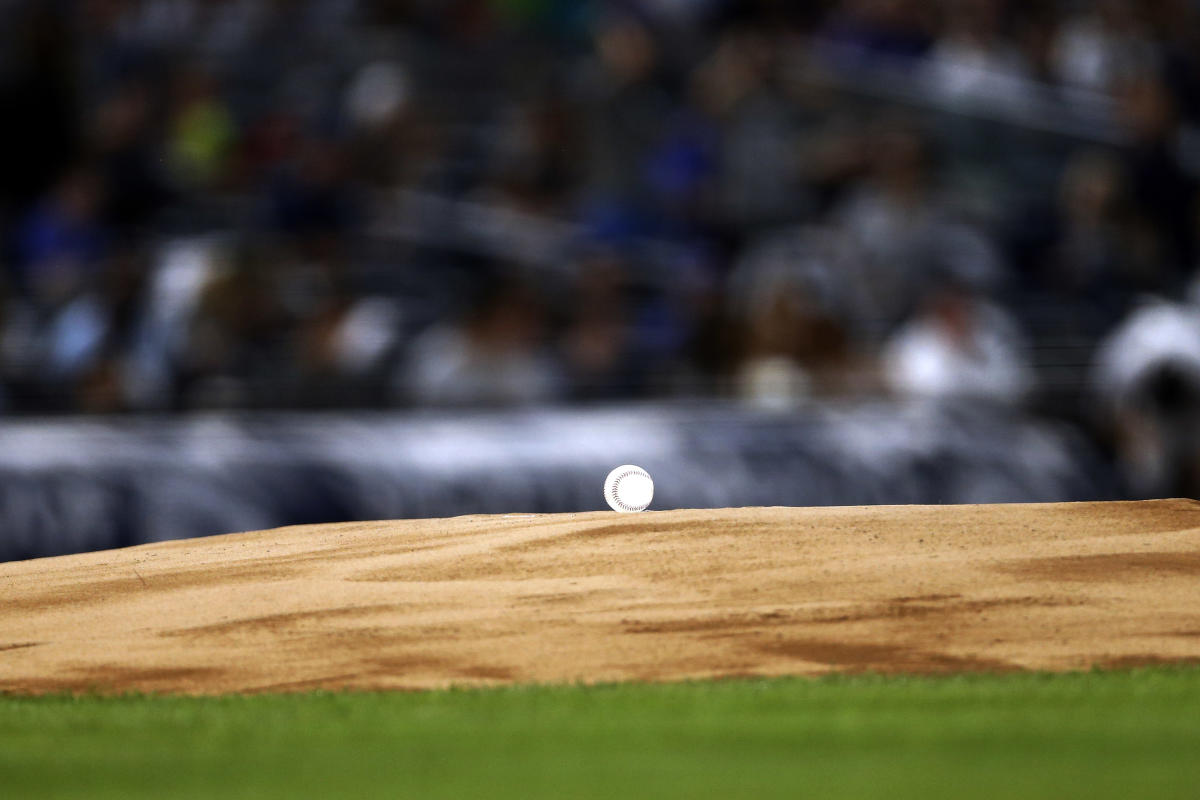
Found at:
<point>605,597</point>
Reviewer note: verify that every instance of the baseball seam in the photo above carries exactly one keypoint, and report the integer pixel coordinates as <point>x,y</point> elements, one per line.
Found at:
<point>616,489</point>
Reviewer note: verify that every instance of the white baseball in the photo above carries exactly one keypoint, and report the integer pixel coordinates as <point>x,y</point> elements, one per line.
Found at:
<point>628,488</point>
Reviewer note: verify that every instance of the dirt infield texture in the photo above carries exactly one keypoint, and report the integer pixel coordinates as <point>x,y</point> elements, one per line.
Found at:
<point>605,597</point>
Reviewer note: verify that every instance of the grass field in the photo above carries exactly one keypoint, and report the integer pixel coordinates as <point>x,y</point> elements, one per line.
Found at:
<point>1097,734</point>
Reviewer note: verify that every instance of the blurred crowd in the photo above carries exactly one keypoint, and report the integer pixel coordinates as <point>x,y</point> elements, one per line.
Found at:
<point>210,204</point>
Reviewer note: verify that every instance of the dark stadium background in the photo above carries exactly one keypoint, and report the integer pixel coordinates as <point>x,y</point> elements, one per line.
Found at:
<point>268,262</point>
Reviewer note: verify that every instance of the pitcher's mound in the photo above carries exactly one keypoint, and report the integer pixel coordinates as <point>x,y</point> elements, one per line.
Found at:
<point>602,597</point>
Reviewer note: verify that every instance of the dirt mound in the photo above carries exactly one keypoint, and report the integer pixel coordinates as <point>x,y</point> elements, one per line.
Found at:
<point>606,597</point>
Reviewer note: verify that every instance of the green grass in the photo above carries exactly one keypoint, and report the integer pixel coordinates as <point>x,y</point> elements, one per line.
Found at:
<point>1095,735</point>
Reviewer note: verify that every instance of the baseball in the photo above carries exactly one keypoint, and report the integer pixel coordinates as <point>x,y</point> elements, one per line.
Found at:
<point>628,488</point>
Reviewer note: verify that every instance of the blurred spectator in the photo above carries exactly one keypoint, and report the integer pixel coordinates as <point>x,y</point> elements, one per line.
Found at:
<point>796,301</point>
<point>626,105</point>
<point>973,59</point>
<point>1092,248</point>
<point>392,143</point>
<point>1163,195</point>
<point>1147,378</point>
<point>758,158</point>
<point>1096,254</point>
<point>597,342</point>
<point>1095,48</point>
<point>495,355</point>
<point>62,239</point>
<point>136,188</point>
<point>200,132</point>
<point>232,337</point>
<point>792,351</point>
<point>904,229</point>
<point>958,346</point>
<point>310,196</point>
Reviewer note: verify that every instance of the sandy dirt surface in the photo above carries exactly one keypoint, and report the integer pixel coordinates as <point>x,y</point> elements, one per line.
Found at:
<point>606,597</point>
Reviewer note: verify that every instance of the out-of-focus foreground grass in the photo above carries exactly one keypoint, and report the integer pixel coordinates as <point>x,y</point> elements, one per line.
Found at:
<point>1095,734</point>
